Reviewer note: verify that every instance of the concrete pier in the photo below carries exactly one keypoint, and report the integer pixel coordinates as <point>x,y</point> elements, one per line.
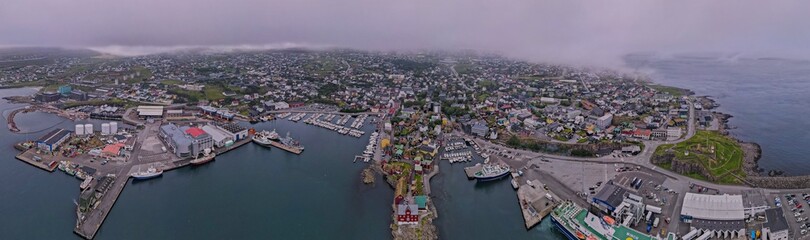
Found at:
<point>92,220</point>
<point>234,146</point>
<point>535,202</point>
<point>46,162</point>
<point>471,170</point>
<point>88,227</point>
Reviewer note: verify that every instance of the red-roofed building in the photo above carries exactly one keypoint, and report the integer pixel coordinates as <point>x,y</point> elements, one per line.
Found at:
<point>112,150</point>
<point>195,132</point>
<point>200,140</point>
<point>587,105</point>
<point>642,133</point>
<point>407,213</point>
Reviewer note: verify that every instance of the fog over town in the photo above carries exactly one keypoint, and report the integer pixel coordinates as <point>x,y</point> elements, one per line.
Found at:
<point>577,32</point>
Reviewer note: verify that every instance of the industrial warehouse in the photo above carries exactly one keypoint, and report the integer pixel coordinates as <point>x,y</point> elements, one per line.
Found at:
<point>718,216</point>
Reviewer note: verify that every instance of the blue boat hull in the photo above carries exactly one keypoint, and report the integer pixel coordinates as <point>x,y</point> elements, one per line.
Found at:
<point>562,229</point>
<point>145,178</point>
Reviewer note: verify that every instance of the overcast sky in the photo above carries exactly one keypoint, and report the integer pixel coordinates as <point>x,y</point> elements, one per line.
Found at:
<point>565,31</point>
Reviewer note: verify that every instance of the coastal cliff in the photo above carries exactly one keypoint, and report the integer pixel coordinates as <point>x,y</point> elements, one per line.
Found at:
<point>682,167</point>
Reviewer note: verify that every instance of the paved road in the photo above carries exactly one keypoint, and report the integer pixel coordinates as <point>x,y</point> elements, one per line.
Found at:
<point>96,217</point>
<point>675,181</point>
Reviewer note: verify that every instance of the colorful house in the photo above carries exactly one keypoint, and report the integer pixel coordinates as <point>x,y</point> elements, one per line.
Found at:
<point>401,190</point>
<point>428,150</point>
<point>407,213</point>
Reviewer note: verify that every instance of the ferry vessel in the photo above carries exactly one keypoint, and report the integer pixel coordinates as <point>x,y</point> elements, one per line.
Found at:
<point>576,223</point>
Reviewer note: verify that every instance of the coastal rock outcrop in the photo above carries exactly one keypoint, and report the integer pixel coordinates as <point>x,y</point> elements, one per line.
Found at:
<point>682,167</point>
<point>368,176</point>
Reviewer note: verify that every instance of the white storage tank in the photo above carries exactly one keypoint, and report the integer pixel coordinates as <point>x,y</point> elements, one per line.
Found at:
<point>113,127</point>
<point>88,128</point>
<point>79,129</point>
<point>105,129</point>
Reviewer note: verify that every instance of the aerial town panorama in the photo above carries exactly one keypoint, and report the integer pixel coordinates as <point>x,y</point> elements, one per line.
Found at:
<point>600,154</point>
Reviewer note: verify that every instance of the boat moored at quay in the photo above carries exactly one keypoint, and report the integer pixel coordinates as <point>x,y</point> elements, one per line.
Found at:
<point>150,172</point>
<point>490,172</point>
<point>288,144</point>
<point>576,223</point>
<point>208,156</point>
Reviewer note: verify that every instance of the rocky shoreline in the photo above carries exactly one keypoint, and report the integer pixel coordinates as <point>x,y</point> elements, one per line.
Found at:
<point>425,229</point>
<point>755,175</point>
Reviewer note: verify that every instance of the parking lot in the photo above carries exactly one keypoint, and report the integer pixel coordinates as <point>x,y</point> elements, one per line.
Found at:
<point>654,192</point>
<point>795,207</point>
<point>571,174</point>
<point>503,153</point>
<point>619,154</point>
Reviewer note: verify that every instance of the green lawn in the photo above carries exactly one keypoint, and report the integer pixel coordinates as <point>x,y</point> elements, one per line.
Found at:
<point>171,82</point>
<point>213,93</point>
<point>51,87</point>
<point>463,68</point>
<point>674,91</point>
<point>420,186</point>
<point>145,74</point>
<point>210,92</point>
<point>97,102</point>
<point>721,155</point>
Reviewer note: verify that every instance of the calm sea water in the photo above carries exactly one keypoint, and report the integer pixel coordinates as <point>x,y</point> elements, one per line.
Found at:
<point>768,98</point>
<point>472,210</point>
<point>259,193</point>
<point>249,193</point>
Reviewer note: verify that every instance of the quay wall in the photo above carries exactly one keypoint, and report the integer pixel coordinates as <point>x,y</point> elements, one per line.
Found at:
<point>781,182</point>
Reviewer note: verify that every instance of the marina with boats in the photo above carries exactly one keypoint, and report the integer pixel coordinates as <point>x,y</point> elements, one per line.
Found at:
<point>326,123</point>
<point>368,153</point>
